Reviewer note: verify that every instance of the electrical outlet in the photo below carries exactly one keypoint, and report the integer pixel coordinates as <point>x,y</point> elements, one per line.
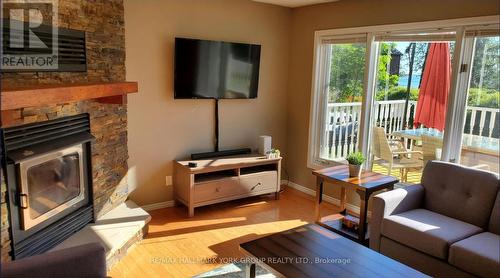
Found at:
<point>168,180</point>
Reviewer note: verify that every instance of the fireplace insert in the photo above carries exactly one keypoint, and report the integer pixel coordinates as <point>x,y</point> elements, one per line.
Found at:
<point>49,180</point>
<point>50,184</point>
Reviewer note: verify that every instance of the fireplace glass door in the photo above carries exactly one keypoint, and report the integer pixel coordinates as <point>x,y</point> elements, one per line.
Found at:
<point>50,184</point>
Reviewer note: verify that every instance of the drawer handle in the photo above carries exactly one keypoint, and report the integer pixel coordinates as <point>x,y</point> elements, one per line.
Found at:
<point>255,186</point>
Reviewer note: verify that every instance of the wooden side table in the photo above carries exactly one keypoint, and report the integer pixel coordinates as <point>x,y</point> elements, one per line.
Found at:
<point>367,183</point>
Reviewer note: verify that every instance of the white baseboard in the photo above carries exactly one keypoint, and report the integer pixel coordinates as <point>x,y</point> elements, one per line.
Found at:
<point>326,198</point>
<point>301,188</point>
<point>160,205</point>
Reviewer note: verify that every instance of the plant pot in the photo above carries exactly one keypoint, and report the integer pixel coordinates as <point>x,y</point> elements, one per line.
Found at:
<point>354,170</point>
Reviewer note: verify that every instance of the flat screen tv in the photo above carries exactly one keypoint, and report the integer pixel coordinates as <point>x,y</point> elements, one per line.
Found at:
<point>215,69</point>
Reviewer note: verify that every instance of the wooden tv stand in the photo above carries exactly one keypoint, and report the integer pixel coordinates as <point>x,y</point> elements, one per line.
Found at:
<point>222,179</point>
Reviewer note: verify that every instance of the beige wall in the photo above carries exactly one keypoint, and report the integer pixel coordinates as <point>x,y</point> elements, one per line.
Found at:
<point>342,14</point>
<point>162,129</point>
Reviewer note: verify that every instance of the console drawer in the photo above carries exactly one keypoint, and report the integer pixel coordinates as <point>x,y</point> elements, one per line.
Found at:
<point>263,181</point>
<point>216,189</point>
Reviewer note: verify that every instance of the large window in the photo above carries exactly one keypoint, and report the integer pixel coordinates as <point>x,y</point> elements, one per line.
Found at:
<point>340,96</point>
<point>343,99</point>
<point>407,87</point>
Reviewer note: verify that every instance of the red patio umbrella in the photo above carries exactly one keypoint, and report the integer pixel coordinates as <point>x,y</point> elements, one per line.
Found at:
<point>434,89</point>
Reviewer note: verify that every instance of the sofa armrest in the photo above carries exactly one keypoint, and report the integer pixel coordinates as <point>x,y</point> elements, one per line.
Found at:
<point>88,260</point>
<point>392,202</point>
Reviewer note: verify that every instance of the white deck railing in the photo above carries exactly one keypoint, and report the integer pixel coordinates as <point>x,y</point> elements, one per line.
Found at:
<point>342,130</point>
<point>481,121</point>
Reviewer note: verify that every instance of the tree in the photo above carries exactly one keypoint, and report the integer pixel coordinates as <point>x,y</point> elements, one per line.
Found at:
<point>384,78</point>
<point>418,62</point>
<point>347,68</point>
<point>485,70</point>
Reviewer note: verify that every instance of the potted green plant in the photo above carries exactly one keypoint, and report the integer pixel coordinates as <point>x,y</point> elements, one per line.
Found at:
<point>355,160</point>
<point>273,153</point>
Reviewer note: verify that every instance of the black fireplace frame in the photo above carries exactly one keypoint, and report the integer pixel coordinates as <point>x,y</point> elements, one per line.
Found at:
<point>30,140</point>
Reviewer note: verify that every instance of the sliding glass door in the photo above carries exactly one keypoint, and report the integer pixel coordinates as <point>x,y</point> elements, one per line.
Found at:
<point>480,136</point>
<point>410,100</point>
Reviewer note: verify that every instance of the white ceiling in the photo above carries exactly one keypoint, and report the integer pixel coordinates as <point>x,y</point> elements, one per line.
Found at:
<point>294,3</point>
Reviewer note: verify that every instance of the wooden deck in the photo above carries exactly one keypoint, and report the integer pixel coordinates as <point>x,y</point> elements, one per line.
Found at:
<point>413,176</point>
<point>487,161</point>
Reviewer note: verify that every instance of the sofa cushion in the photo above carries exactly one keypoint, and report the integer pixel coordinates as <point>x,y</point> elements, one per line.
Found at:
<point>494,226</point>
<point>460,192</point>
<point>427,264</point>
<point>427,231</point>
<point>478,254</point>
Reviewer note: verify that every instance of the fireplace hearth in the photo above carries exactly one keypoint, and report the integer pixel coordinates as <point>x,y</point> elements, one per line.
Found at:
<point>49,180</point>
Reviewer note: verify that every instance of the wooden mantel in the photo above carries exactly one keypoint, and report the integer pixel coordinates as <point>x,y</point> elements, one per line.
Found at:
<point>40,95</point>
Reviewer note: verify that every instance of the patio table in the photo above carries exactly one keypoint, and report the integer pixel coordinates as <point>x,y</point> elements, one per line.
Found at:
<point>473,143</point>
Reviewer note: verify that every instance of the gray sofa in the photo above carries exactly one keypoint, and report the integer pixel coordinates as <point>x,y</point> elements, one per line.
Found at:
<point>447,226</point>
<point>85,261</point>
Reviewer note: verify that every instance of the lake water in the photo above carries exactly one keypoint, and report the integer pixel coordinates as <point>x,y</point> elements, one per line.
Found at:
<point>415,81</point>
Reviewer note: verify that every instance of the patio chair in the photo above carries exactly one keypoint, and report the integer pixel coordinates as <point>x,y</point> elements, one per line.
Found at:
<point>393,158</point>
<point>432,147</point>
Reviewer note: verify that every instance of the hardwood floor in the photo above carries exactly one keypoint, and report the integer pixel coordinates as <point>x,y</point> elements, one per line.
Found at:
<point>178,246</point>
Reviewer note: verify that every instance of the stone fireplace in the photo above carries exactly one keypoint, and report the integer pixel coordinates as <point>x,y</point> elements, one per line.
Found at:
<point>103,24</point>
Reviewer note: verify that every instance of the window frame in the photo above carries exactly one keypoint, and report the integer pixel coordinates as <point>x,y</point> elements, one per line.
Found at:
<point>450,140</point>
